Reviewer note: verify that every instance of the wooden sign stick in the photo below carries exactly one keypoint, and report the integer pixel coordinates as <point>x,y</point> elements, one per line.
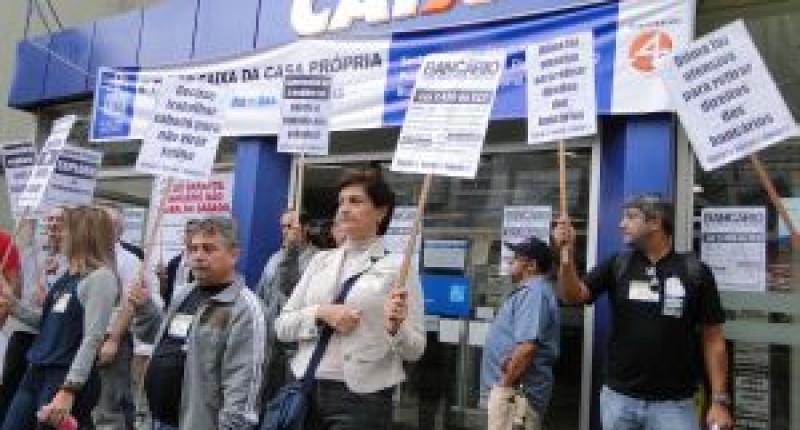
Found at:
<point>562,179</point>
<point>775,198</point>
<point>301,172</point>
<point>408,254</point>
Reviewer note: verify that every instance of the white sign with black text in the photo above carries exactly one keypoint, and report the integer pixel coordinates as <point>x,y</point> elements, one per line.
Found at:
<point>305,115</point>
<point>184,134</point>
<point>133,231</point>
<point>32,195</point>
<point>448,114</point>
<point>734,246</point>
<point>399,229</point>
<point>18,161</point>
<point>561,90</point>
<point>725,97</point>
<point>520,223</point>
<point>74,177</point>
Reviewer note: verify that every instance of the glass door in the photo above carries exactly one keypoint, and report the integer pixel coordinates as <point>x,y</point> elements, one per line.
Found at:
<point>442,391</point>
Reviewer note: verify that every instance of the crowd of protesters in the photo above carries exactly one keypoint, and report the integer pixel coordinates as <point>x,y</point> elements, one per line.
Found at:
<point>99,340</point>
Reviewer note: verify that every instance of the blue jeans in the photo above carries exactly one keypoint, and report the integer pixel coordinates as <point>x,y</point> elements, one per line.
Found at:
<point>37,389</point>
<point>157,425</point>
<point>621,412</point>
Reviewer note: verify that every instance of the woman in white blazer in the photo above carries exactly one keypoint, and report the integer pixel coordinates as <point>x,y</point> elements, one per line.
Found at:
<point>375,329</point>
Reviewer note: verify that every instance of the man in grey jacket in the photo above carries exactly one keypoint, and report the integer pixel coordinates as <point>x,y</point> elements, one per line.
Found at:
<point>207,368</point>
<point>281,274</point>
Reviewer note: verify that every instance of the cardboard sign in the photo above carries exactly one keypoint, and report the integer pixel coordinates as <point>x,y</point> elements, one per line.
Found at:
<point>18,161</point>
<point>184,135</point>
<point>520,223</point>
<point>561,93</point>
<point>305,115</point>
<point>446,121</point>
<point>725,97</point>
<point>188,200</point>
<point>74,178</point>
<point>31,197</point>
<point>734,246</point>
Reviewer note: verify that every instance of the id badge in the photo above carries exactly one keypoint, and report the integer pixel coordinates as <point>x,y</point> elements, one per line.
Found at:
<point>61,304</point>
<point>674,298</point>
<point>179,326</point>
<point>640,291</point>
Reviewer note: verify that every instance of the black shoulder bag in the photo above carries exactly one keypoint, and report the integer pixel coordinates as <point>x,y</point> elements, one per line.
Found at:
<point>289,408</point>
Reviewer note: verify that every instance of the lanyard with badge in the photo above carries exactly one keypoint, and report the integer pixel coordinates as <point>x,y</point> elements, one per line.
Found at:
<point>650,292</point>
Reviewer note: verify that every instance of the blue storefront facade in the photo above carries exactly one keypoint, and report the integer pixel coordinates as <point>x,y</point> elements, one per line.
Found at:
<point>636,150</point>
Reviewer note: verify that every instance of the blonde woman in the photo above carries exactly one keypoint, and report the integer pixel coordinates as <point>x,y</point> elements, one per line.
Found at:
<point>61,379</point>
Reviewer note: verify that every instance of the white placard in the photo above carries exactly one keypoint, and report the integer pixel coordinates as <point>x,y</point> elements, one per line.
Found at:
<point>184,135</point>
<point>734,246</point>
<point>450,330</point>
<point>133,230</point>
<point>448,113</point>
<point>188,200</point>
<point>478,331</point>
<point>445,254</point>
<point>18,161</point>
<point>74,177</point>
<point>520,223</point>
<point>399,230</point>
<point>725,97</point>
<point>30,199</point>
<point>561,94</point>
<point>305,115</point>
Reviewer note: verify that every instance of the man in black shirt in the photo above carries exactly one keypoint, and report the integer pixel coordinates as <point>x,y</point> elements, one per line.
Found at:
<point>665,309</point>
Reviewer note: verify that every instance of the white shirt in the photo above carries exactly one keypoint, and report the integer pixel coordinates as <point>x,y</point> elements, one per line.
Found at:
<point>128,265</point>
<point>332,365</point>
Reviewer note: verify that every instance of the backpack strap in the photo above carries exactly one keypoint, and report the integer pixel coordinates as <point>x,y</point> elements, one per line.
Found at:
<point>621,263</point>
<point>694,269</point>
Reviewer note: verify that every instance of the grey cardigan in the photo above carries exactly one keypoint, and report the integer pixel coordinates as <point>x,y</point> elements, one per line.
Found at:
<point>226,354</point>
<point>98,293</point>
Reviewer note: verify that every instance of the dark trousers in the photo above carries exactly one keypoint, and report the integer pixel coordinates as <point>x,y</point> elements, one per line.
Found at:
<point>37,389</point>
<point>14,367</point>
<point>335,407</point>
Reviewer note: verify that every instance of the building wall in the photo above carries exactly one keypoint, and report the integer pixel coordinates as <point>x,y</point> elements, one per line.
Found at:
<point>13,17</point>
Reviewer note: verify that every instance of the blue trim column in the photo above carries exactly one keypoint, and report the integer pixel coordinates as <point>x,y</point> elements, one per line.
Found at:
<point>638,156</point>
<point>260,192</point>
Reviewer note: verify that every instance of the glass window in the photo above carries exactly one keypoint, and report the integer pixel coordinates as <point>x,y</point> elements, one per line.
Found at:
<point>443,388</point>
<point>762,326</point>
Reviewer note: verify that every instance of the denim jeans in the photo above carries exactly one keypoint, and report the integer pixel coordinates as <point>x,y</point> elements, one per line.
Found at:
<point>157,425</point>
<point>621,412</point>
<point>335,407</point>
<point>37,389</point>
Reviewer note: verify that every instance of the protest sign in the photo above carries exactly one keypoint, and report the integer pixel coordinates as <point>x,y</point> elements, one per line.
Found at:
<point>399,230</point>
<point>305,115</point>
<point>18,161</point>
<point>183,138</point>
<point>520,223</point>
<point>446,121</point>
<point>74,177</point>
<point>561,88</point>
<point>133,219</point>
<point>725,97</point>
<point>734,246</point>
<point>188,200</point>
<point>30,199</point>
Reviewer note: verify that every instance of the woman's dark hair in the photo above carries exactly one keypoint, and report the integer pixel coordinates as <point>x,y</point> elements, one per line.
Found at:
<point>375,187</point>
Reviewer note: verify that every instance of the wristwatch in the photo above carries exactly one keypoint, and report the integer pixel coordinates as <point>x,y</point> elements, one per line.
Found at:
<point>723,399</point>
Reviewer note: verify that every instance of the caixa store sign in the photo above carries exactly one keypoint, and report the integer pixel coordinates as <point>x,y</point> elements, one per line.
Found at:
<point>321,17</point>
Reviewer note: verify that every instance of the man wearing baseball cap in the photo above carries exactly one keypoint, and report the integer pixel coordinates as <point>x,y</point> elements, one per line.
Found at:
<point>522,344</point>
